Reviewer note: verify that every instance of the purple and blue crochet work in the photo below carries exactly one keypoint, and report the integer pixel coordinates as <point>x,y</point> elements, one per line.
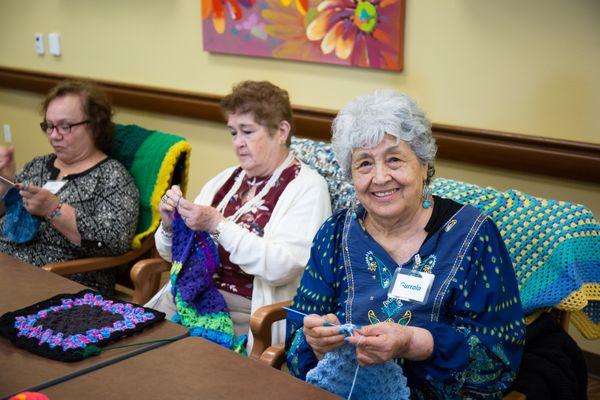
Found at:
<point>71,327</point>
<point>200,306</point>
<point>338,373</point>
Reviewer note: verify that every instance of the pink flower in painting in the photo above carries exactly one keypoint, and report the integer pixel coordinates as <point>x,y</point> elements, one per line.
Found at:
<point>215,9</point>
<point>356,30</point>
<point>289,25</point>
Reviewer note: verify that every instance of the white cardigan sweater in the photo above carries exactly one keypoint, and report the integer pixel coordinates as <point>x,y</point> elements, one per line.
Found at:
<point>277,259</point>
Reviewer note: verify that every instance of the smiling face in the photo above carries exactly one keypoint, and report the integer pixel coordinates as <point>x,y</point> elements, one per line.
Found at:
<point>258,151</point>
<point>388,179</point>
<point>79,143</point>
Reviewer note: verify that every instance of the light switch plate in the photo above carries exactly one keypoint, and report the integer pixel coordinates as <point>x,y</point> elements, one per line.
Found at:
<point>54,44</point>
<point>7,135</point>
<point>39,43</point>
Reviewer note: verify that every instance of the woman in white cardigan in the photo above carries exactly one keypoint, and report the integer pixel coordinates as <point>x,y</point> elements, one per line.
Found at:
<point>263,214</point>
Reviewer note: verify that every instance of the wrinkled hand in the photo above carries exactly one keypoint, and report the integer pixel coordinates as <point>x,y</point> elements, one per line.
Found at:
<point>168,204</point>
<point>322,339</point>
<point>7,163</point>
<point>381,342</point>
<point>38,201</point>
<point>199,218</point>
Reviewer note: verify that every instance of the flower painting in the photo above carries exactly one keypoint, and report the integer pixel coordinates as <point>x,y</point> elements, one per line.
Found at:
<point>346,32</point>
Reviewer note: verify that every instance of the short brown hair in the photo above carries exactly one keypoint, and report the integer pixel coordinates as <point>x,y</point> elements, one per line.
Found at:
<point>96,106</point>
<point>269,104</point>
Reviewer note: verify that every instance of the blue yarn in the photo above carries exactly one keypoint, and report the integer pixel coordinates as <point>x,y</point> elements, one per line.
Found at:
<point>382,381</point>
<point>218,337</point>
<point>20,226</point>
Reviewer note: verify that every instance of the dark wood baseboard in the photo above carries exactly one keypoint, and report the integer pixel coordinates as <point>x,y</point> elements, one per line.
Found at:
<point>531,154</point>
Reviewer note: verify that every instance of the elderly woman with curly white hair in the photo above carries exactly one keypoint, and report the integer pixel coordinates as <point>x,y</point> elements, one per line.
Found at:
<point>427,281</point>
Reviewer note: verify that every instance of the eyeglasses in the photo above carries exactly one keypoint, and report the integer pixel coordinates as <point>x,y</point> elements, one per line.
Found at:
<point>62,128</point>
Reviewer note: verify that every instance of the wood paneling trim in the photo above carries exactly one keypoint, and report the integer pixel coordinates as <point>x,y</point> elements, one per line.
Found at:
<point>531,154</point>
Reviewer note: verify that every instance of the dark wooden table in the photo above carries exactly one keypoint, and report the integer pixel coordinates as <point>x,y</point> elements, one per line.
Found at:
<point>21,285</point>
<point>186,369</point>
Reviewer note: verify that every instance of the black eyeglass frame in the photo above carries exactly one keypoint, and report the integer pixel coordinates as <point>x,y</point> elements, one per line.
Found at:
<point>48,128</point>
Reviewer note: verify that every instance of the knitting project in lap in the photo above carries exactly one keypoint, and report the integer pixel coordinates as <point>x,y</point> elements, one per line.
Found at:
<point>335,373</point>
<point>200,306</point>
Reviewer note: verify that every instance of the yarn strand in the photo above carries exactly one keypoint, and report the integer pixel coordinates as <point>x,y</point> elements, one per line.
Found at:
<point>348,332</point>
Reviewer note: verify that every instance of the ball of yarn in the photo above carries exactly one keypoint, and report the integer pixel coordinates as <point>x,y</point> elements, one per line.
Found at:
<point>29,396</point>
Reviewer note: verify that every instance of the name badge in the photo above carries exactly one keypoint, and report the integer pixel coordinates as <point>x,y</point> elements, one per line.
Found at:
<point>54,186</point>
<point>411,286</point>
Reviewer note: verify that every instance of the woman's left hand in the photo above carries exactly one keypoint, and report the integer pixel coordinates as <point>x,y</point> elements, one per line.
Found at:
<point>38,201</point>
<point>381,342</point>
<point>199,218</point>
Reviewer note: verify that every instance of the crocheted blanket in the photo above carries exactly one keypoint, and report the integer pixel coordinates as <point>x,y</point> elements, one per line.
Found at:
<point>199,304</point>
<point>151,157</point>
<point>554,247</point>
<point>71,327</point>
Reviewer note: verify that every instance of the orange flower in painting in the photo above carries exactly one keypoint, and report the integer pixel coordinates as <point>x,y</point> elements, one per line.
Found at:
<point>356,30</point>
<point>289,25</point>
<point>216,9</point>
<point>302,5</point>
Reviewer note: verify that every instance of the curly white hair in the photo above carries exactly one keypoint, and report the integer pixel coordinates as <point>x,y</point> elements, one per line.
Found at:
<point>364,122</point>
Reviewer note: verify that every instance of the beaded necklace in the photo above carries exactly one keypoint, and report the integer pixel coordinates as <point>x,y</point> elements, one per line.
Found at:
<point>250,203</point>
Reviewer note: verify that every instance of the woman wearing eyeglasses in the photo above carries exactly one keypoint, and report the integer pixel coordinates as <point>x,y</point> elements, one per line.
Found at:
<point>87,203</point>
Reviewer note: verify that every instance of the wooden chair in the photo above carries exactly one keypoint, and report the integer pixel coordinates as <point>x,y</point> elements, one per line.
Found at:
<point>156,161</point>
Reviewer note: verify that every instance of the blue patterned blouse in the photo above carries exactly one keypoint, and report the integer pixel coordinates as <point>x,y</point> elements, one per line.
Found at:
<point>473,310</point>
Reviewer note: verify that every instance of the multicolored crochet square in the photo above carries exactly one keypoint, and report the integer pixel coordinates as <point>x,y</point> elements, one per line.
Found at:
<point>71,327</point>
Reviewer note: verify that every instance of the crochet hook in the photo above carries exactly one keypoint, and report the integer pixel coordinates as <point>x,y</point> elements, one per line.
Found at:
<point>11,183</point>
<point>325,323</point>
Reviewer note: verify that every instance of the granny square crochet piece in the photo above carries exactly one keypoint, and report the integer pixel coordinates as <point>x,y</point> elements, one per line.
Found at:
<point>71,327</point>
<point>200,306</point>
<point>335,373</point>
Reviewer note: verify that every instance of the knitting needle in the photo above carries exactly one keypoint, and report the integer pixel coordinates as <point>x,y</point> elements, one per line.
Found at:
<point>11,183</point>
<point>325,323</point>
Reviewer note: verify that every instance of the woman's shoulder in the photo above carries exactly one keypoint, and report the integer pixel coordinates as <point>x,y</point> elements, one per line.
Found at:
<point>113,167</point>
<point>334,224</point>
<point>310,177</point>
<point>40,160</point>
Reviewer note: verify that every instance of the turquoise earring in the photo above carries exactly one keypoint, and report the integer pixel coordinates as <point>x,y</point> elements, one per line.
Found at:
<point>427,196</point>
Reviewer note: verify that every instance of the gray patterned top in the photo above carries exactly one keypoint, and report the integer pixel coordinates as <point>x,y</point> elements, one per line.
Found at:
<point>105,199</point>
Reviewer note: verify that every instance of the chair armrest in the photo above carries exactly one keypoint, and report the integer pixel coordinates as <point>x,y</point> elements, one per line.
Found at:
<point>145,276</point>
<point>261,323</point>
<point>99,263</point>
<point>274,356</point>
<point>514,395</point>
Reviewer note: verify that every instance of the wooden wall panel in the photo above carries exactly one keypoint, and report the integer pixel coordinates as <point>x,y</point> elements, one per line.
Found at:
<point>531,154</point>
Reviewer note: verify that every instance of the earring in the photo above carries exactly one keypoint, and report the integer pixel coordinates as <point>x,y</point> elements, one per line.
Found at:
<point>426,196</point>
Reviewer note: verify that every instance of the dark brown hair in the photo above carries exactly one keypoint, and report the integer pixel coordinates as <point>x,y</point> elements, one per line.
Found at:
<point>269,104</point>
<point>95,105</point>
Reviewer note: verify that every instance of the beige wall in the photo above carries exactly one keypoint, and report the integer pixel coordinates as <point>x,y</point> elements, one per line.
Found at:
<point>524,67</point>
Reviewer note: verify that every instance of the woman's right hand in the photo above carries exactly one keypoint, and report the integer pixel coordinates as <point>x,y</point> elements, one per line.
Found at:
<point>321,338</point>
<point>168,205</point>
<point>7,163</point>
